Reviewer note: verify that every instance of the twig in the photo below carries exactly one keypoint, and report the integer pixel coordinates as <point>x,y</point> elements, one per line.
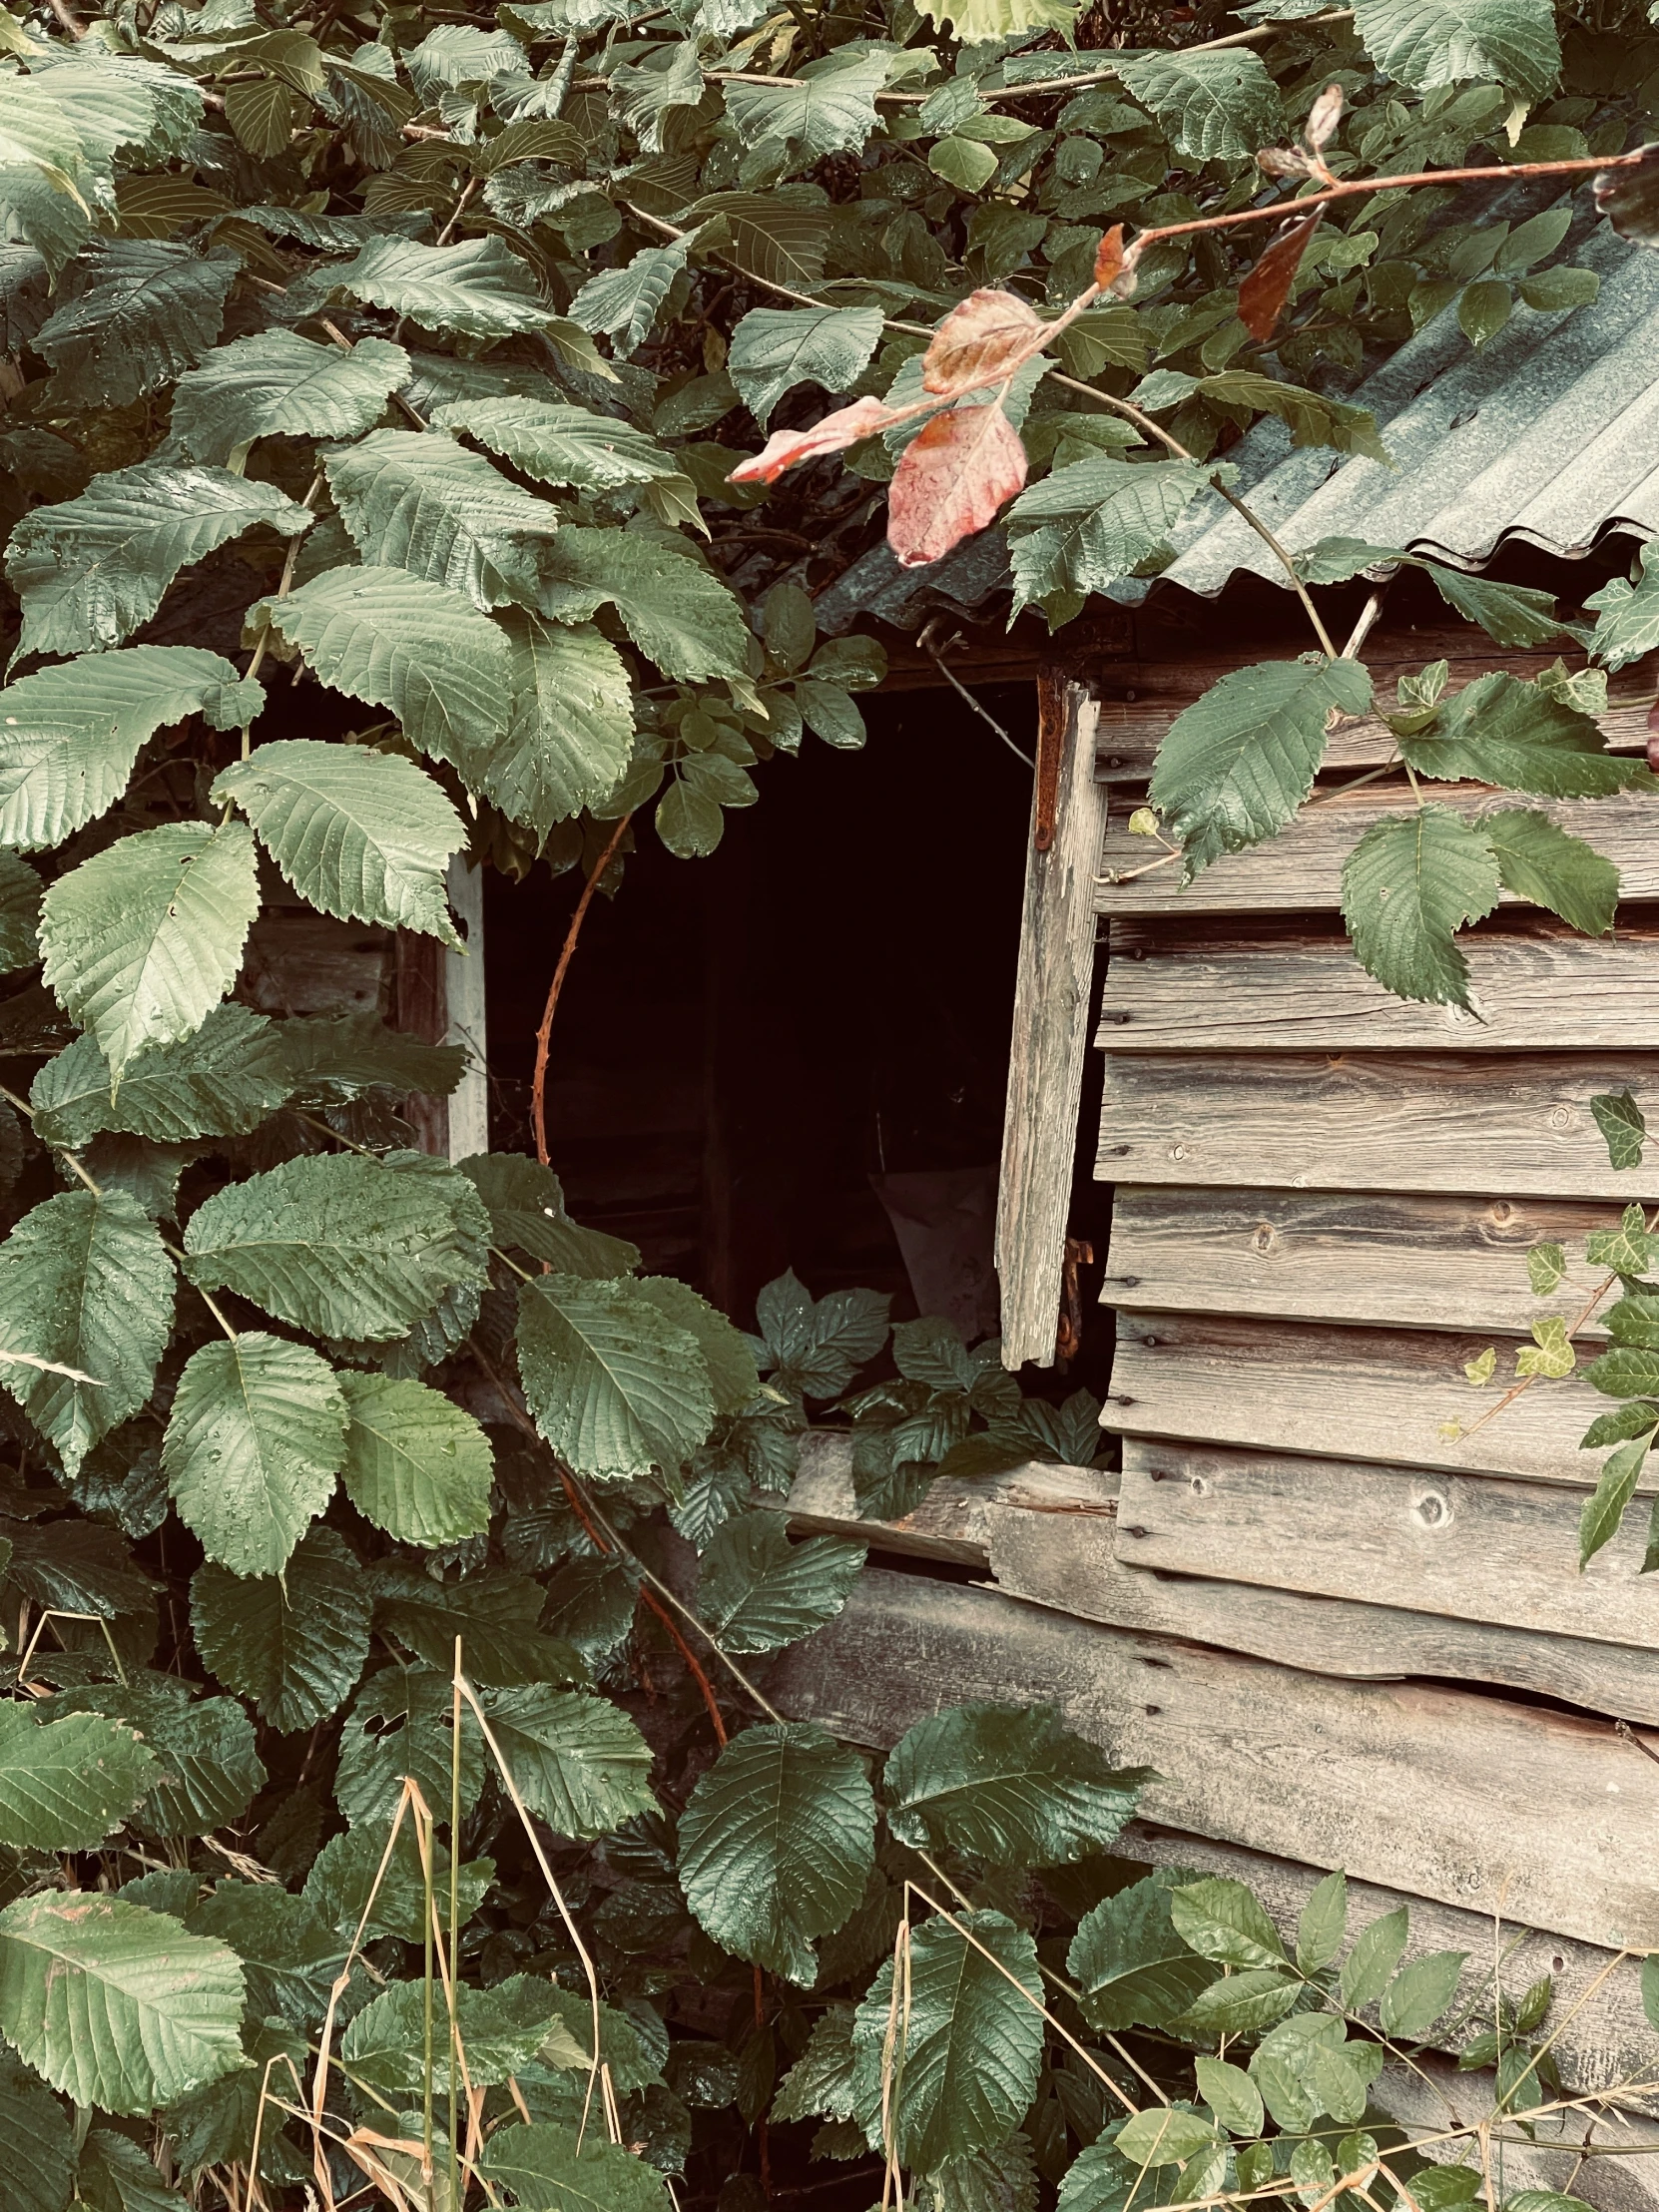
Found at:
<point>538,1085</point>
<point>984,713</point>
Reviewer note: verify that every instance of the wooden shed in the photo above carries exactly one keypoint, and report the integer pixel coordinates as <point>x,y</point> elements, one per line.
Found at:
<point>1340,1614</point>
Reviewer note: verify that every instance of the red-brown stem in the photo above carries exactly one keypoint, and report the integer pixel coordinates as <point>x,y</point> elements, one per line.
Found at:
<point>538,1086</point>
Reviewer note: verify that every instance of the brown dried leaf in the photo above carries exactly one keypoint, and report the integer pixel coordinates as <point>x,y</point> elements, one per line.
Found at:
<point>1283,161</point>
<point>1629,197</point>
<point>1322,118</point>
<point>986,335</point>
<point>1108,261</point>
<point>951,480</point>
<point>1263,293</point>
<point>836,431</point>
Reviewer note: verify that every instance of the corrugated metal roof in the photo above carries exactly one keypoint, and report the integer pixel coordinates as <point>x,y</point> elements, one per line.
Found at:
<point>1549,435</point>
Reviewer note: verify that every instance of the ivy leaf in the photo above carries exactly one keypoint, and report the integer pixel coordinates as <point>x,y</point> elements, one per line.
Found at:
<point>1627,616</point>
<point>1500,730</point>
<point>831,110</point>
<point>1235,766</point>
<point>86,1282</point>
<point>1424,43</point>
<point>480,287</point>
<point>279,384</point>
<point>1408,887</point>
<point>338,1244</point>
<point>1603,1510</point>
<point>70,735</point>
<point>675,612</point>
<point>950,480</point>
<point>396,641</point>
<point>579,1762</point>
<point>527,1214</point>
<point>559,445</point>
<point>571,732</point>
<point>1223,1920</point>
<point>359,834</point>
<point>759,1592</point>
<point>132,314</point>
<point>1629,1249</point>
<point>775,1845</point>
<point>615,1390</point>
<point>66,1784</point>
<point>1009,1785</point>
<point>416,1464</point>
<point>774,349</point>
<point>1622,1125</point>
<point>400,1725</point>
<point>1542,862</point>
<point>971,2048</point>
<point>1219,107</point>
<point>143,941</point>
<point>1547,1264</point>
<point>115,2005</point>
<point>254,1442</point>
<point>1132,1969</point>
<point>92,569</point>
<point>550,2168</point>
<point>1085,528</point>
<point>432,506</point>
<point>221,1082</point>
<point>36,2145</point>
<point>295,1646</point>
<point>1550,1353</point>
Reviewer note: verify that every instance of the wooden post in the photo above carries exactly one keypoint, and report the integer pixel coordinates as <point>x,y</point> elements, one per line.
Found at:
<point>1051,1015</point>
<point>440,998</point>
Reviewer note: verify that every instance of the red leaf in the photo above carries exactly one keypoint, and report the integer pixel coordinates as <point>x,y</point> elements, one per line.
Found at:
<point>986,335</point>
<point>786,447</point>
<point>1263,293</point>
<point>1108,261</point>
<point>954,477</point>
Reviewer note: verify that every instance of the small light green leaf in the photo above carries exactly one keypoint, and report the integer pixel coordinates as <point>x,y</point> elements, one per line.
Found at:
<point>1627,616</point>
<point>1547,1264</point>
<point>1480,1371</point>
<point>1321,1929</point>
<point>1163,2135</point>
<point>1550,1352</point>
<point>1416,1996</point>
<point>1372,1959</point>
<point>1222,1919</point>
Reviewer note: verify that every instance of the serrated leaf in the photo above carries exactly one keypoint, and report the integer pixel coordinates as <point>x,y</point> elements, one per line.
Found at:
<point>92,569</point>
<point>400,1725</point>
<point>1603,1510</point>
<point>782,236</point>
<point>1515,615</point>
<point>500,2027</point>
<point>223,1081</point>
<point>1627,616</point>
<point>1235,768</point>
<point>831,110</point>
<point>432,506</point>
<point>66,1784</point>
<point>1544,864</point>
<point>1416,1996</point>
<point>1009,1785</point>
<point>254,1442</point>
<point>818,1345</point>
<point>294,1645</point>
<point>560,444</point>
<point>1129,1965</point>
<point>1223,1920</point>
<point>1424,43</point>
<point>527,1214</point>
<point>725,1350</point>
<point>775,349</point>
<point>759,1592</point>
<point>776,1844</point>
<point>1622,1125</point>
<point>1086,526</point>
<point>819,2083</point>
<point>340,1244</point>
<point>496,1617</point>
<point>1103,2180</point>
<point>416,1464</point>
<point>971,2048</point>
<point>1218,106</point>
<point>36,2146</point>
<point>1240,2005</point>
<point>1501,731</point>
<point>279,384</point>
<point>334,1058</point>
<point>132,314</point>
<point>675,612</point>
<point>209,1771</point>
<point>479,288</point>
<point>343,1877</point>
<point>359,834</point>
<point>552,2168</point>
<point>396,641</point>
<point>1374,1956</point>
<point>615,1390</point>
<point>1408,887</point>
<point>1164,2135</point>
<point>1312,418</point>
<point>288,1954</point>
<point>579,1762</point>
<point>117,2007</point>
<point>571,732</point>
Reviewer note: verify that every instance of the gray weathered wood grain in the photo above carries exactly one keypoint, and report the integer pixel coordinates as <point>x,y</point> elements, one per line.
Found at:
<point>1516,1125</point>
<point>1187,986</point>
<point>1368,1393</point>
<point>1466,1548</point>
<point>1050,1040</point>
<point>1432,1261</point>
<point>1437,1792</point>
<point>1301,869</point>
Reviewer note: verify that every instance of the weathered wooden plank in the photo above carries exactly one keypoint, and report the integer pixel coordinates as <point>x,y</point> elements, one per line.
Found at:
<point>298,962</point>
<point>1179,986</point>
<point>1434,1791</point>
<point>1429,2095</point>
<point>1461,1547</point>
<point>1372,1122</point>
<point>1373,1393</point>
<point>1052,1020</point>
<point>1301,869</point>
<point>1435,1262</point>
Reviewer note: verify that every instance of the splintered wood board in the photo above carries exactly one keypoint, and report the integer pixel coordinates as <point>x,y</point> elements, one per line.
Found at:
<point>1466,1548</point>
<point>1519,1125</point>
<point>1301,869</point>
<point>1368,1393</point>
<point>1176,985</point>
<point>1435,1262</point>
<point>1434,1791</point>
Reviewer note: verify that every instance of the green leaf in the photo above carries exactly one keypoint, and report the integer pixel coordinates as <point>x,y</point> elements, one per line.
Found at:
<point>1323,1921</point>
<point>966,2060</point>
<point>1549,1354</point>
<point>1424,43</point>
<point>527,1214</point>
<point>831,110</point>
<point>288,1954</point>
<point>20,895</point>
<point>416,1464</point>
<point>1629,1371</point>
<point>623,304</point>
<point>36,2146</point>
<point>1103,2180</point>
<point>579,1762</point>
<point>70,735</point>
<point>223,1081</point>
<point>1007,1784</point>
<point>725,1350</point>
<point>1085,527</point>
<point>363,835</point>
<point>1312,418</point>
<point>758,1590</point>
<point>1627,616</point>
<point>819,2083</point>
<point>400,1725</point>
<point>1629,1249</point>
<point>782,236</point>
<point>479,288</point>
<point>1408,887</point>
<point>616,1388</point>
<point>495,1614</point>
<point>776,1844</point>
<point>1603,1510</point>
<point>1542,862</point>
<point>92,569</point>
<point>1236,767</point>
<point>1218,106</point>
<point>1552,291</point>
<point>1620,1121</point>
<point>677,613</point>
<point>346,1872</point>
<point>1372,1959</point>
<point>117,2007</point>
<point>254,1442</point>
<point>1416,1996</point>
<point>774,349</point>
<point>1483,310</point>
<point>818,1345</point>
<point>143,941</point>
<point>1241,2005</point>
<point>500,2029</point>
<point>1231,2095</point>
<point>210,1771</point>
<point>570,733</point>
<point>1634,1419</point>
<point>1130,1966</point>
<point>337,1244</point>
<point>1650,1988</point>
<point>962,161</point>
<point>1222,1919</point>
<point>560,444</point>
<point>432,506</point>
<point>334,1058</point>
<point>261,116</point>
<point>66,1784</point>
<point>1164,2135</point>
<point>132,312</point>
<point>396,641</point>
<point>295,1644</point>
<point>1515,615</point>
<point>86,1283</point>
<point>549,2168</point>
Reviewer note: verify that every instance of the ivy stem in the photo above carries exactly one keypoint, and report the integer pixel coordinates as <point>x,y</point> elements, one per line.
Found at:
<point>538,1086</point>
